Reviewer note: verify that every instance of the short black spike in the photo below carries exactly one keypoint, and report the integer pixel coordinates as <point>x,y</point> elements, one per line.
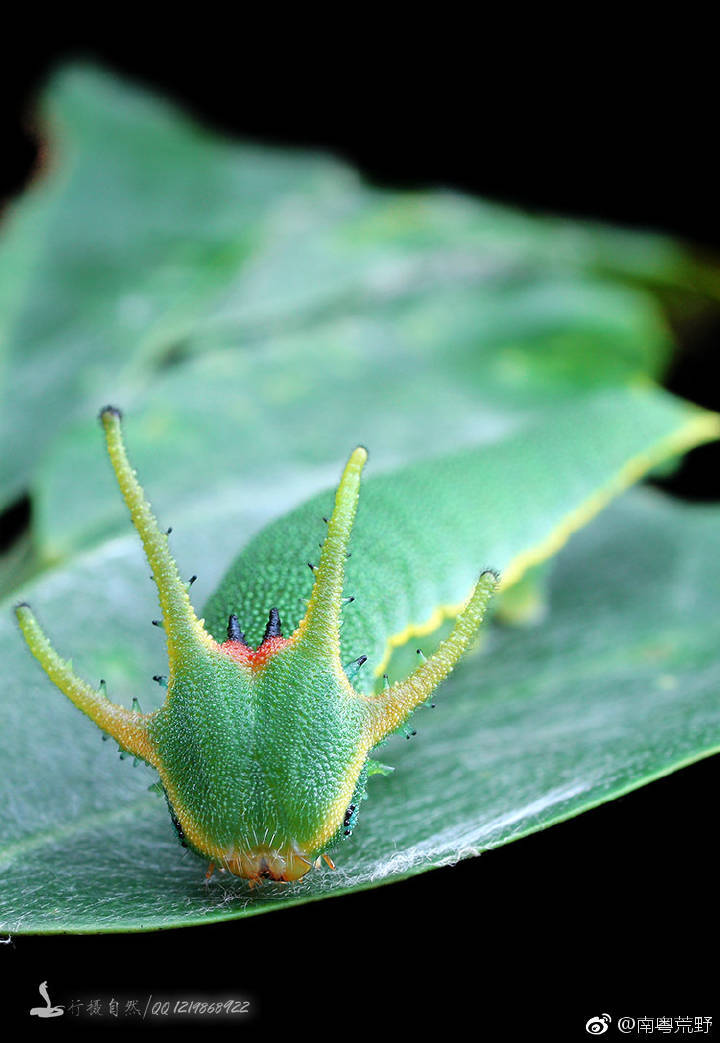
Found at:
<point>234,632</point>
<point>274,627</point>
<point>191,580</point>
<point>352,668</point>
<point>157,622</point>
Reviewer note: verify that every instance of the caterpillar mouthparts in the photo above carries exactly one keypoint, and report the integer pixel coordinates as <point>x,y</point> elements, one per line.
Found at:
<point>266,863</point>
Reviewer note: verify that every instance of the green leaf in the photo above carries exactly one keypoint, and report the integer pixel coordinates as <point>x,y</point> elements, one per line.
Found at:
<point>542,725</point>
<point>249,423</point>
<point>147,241</point>
<point>140,220</point>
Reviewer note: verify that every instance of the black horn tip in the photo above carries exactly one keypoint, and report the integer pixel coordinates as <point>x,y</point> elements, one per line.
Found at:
<point>234,632</point>
<point>110,411</point>
<point>274,626</point>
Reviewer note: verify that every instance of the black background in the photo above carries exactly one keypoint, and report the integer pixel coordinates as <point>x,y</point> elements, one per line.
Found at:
<point>612,911</point>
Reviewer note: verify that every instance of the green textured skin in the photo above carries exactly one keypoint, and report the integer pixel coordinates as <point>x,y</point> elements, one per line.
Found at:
<point>259,758</point>
<point>416,544</point>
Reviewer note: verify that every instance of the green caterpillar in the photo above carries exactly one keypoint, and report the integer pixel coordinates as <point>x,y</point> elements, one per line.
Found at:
<point>262,744</point>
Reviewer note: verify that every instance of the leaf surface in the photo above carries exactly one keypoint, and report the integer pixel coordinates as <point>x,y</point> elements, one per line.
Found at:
<point>618,686</point>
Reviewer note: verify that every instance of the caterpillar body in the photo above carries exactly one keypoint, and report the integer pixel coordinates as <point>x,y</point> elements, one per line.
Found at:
<point>263,743</point>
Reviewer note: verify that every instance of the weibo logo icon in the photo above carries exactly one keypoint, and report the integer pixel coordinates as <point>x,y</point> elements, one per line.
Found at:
<point>48,1011</point>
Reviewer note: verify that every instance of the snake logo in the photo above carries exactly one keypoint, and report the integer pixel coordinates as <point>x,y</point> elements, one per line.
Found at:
<point>48,1011</point>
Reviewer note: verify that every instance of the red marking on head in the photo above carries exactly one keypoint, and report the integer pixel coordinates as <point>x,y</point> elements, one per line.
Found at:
<point>255,658</point>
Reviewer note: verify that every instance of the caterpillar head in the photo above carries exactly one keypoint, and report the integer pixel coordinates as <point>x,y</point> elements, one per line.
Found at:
<point>262,752</point>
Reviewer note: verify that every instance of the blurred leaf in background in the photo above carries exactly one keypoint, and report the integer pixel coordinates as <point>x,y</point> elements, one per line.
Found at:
<point>236,299</point>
